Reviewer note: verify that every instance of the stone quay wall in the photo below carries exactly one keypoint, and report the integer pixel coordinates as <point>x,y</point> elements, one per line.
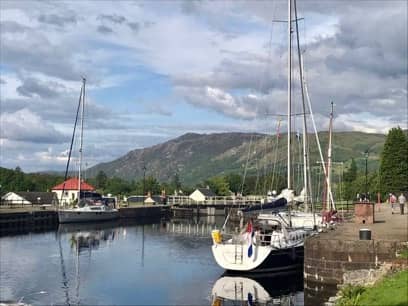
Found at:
<point>330,260</point>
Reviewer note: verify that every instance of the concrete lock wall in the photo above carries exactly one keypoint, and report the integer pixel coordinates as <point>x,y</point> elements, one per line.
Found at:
<point>326,260</point>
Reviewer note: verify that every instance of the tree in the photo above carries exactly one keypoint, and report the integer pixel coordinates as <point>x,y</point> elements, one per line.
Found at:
<point>394,162</point>
<point>351,174</point>
<point>219,185</point>
<point>151,185</point>
<point>101,179</point>
<point>234,182</point>
<point>176,184</point>
<point>117,186</point>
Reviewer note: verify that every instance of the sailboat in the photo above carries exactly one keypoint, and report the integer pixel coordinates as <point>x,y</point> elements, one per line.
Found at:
<point>272,242</point>
<point>90,206</point>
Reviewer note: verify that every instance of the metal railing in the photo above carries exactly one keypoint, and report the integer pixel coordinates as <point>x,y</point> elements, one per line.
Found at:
<point>217,200</point>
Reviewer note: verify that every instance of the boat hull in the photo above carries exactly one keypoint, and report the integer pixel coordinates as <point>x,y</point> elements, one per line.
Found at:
<point>265,259</point>
<point>70,216</point>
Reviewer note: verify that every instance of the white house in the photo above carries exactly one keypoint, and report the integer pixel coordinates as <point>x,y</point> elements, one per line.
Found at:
<point>70,190</point>
<point>29,198</point>
<point>202,194</point>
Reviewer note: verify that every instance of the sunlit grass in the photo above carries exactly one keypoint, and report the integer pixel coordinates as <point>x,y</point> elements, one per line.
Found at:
<point>391,291</point>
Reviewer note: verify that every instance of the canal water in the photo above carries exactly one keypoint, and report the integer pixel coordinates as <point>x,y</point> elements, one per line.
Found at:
<point>158,263</point>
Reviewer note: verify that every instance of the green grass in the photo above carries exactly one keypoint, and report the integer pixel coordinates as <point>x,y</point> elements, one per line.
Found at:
<point>391,291</point>
<point>404,254</point>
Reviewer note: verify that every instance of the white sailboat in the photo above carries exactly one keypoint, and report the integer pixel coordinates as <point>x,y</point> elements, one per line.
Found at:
<point>272,242</point>
<point>88,208</point>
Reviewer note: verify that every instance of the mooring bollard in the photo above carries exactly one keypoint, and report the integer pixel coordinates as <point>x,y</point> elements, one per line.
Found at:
<point>365,234</point>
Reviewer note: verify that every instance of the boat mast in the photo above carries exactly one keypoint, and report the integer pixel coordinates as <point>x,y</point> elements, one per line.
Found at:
<point>329,161</point>
<point>81,138</point>
<point>289,182</point>
<point>305,143</point>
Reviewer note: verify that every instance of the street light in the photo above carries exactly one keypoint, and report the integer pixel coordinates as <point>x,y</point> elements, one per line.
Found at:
<point>144,182</point>
<point>366,153</point>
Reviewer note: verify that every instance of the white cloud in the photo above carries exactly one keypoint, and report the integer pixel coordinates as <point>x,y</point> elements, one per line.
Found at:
<point>215,55</point>
<point>24,125</point>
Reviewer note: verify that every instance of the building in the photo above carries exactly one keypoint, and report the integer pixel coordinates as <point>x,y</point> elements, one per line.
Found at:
<point>29,198</point>
<point>70,188</point>
<point>202,194</point>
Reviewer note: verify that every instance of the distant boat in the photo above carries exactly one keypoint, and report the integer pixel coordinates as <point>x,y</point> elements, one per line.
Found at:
<point>90,205</point>
<point>89,212</point>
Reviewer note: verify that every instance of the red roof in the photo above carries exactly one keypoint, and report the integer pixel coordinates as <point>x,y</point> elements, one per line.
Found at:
<point>72,184</point>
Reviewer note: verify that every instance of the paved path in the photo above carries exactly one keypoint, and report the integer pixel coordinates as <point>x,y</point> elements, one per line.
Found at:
<point>387,226</point>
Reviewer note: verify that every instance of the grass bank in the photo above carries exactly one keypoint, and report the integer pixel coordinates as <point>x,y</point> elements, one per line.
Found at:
<point>391,291</point>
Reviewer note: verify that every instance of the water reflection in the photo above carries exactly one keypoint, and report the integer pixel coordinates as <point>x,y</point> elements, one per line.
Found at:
<point>88,237</point>
<point>131,263</point>
<point>266,289</point>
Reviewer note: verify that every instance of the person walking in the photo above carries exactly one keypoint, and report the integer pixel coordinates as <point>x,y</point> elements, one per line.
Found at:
<point>393,201</point>
<point>402,200</point>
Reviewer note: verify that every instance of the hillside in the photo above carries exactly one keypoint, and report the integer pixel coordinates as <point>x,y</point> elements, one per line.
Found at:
<point>196,157</point>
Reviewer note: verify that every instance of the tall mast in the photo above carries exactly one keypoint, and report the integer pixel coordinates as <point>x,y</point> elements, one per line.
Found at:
<point>289,183</point>
<point>81,137</point>
<point>305,143</point>
<point>329,160</point>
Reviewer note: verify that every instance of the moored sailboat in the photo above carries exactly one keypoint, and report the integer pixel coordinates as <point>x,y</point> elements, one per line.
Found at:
<point>89,206</point>
<point>272,242</point>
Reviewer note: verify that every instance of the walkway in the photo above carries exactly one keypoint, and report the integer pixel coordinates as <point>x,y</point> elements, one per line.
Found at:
<point>387,226</point>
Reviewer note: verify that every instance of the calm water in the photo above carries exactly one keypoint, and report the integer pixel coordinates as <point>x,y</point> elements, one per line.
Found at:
<point>163,263</point>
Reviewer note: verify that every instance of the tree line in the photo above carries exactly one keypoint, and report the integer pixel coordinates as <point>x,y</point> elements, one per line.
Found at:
<point>391,177</point>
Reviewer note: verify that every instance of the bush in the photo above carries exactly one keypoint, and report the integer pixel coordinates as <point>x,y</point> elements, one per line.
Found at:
<point>350,295</point>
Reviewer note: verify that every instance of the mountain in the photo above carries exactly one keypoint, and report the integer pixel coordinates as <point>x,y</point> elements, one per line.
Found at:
<point>196,157</point>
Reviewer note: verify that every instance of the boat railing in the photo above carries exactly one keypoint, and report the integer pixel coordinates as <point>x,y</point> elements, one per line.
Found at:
<point>267,238</point>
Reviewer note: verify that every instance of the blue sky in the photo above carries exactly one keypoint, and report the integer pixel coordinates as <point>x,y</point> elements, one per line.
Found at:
<point>158,69</point>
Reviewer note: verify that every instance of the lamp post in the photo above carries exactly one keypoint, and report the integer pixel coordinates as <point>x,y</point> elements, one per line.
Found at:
<point>366,153</point>
<point>144,182</point>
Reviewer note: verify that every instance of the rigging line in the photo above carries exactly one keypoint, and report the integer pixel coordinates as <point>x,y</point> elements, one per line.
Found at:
<point>276,151</point>
<point>317,136</point>
<point>81,139</point>
<point>246,166</point>
<point>260,87</point>
<point>257,174</point>
<point>72,142</point>
<point>268,139</point>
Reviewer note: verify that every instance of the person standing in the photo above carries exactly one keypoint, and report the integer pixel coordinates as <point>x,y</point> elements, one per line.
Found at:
<point>402,200</point>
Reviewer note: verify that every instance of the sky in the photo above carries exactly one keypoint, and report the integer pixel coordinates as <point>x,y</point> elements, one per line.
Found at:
<point>156,70</point>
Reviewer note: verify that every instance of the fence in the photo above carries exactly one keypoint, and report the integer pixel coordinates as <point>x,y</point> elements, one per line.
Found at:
<point>186,200</point>
<point>21,204</point>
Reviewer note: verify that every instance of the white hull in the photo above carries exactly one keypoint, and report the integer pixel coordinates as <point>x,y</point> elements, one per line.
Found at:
<point>234,257</point>
<point>77,215</point>
<point>272,253</point>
